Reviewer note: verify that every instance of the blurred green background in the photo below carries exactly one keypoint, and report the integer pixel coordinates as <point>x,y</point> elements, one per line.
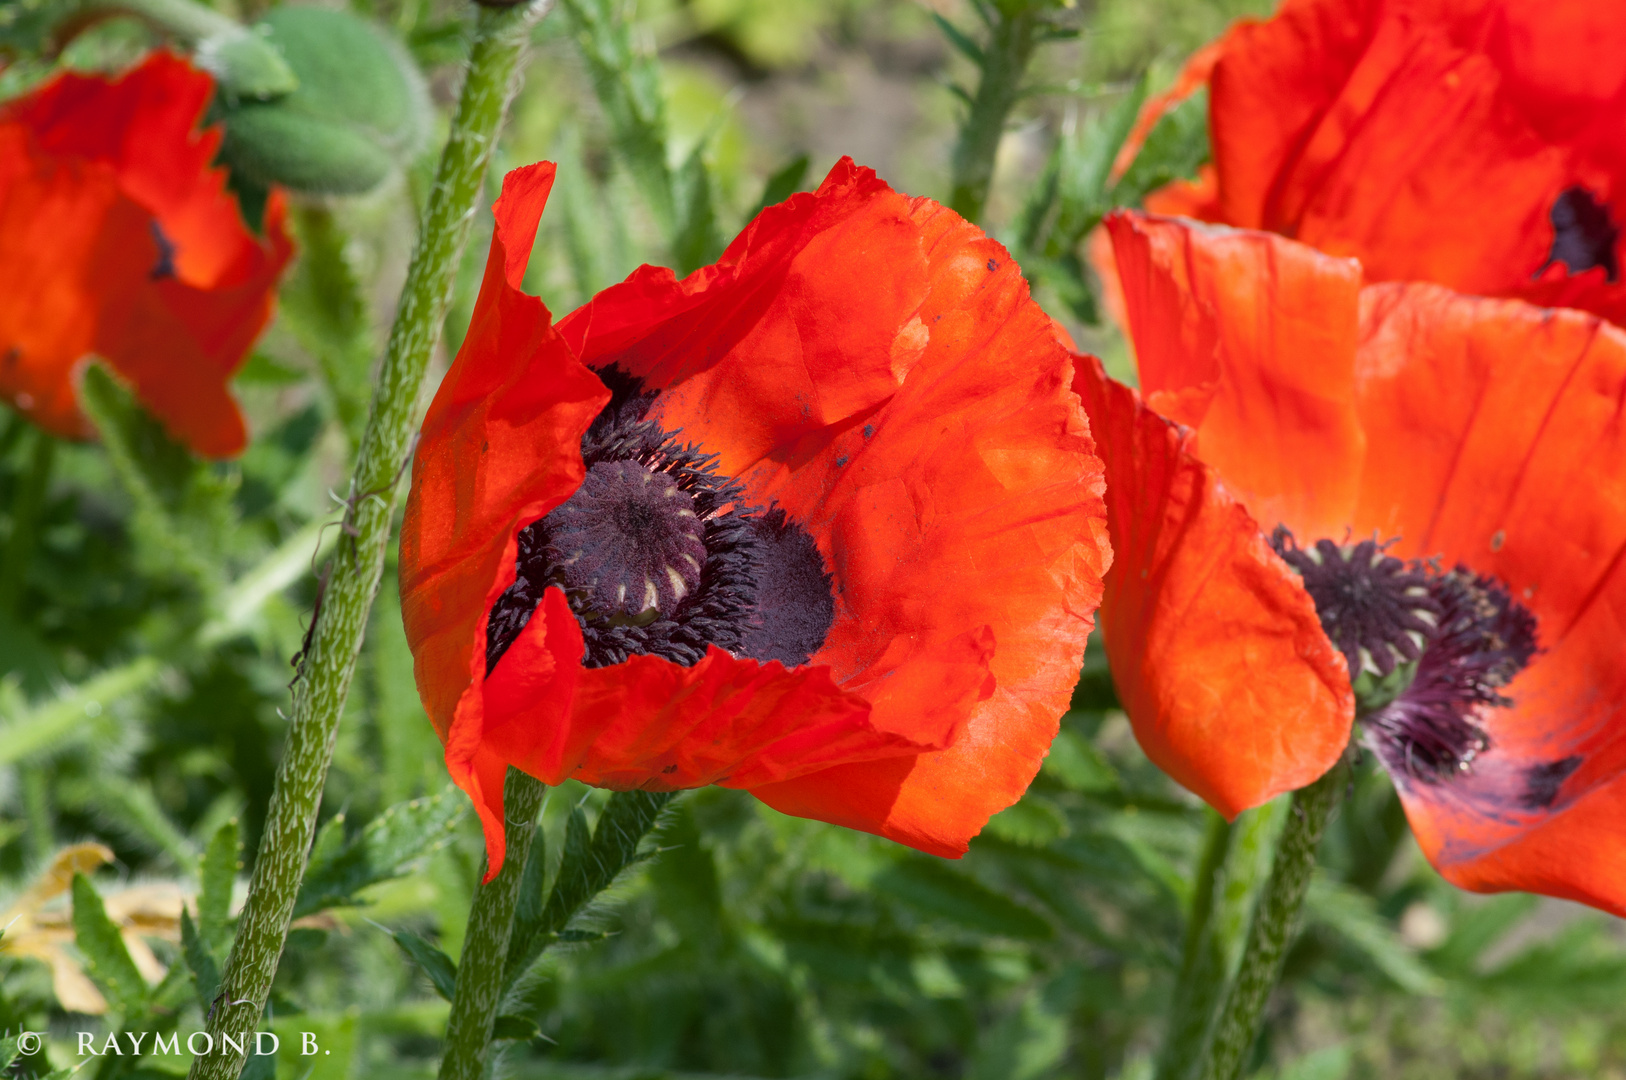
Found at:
<point>135,715</point>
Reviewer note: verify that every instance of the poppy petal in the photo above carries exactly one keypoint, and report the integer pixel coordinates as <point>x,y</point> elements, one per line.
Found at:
<point>1218,655</point>
<point>1479,414</point>
<point>874,365</point>
<point>120,240</point>
<point>1222,321</point>
<point>1443,143</point>
<point>499,448</point>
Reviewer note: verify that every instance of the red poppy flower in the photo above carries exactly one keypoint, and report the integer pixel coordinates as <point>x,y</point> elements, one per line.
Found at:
<point>118,240</point>
<point>822,521</point>
<point>1480,144</point>
<point>1397,480</point>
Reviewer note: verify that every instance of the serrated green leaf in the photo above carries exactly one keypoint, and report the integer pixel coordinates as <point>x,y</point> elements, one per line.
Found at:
<point>1174,150</point>
<point>440,968</point>
<point>107,961</point>
<point>626,80</point>
<point>930,887</point>
<point>217,872</point>
<point>587,868</point>
<point>390,846</point>
<point>1353,918</point>
<point>200,961</point>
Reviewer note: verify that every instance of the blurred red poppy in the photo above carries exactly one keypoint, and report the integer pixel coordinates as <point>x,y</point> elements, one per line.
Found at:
<point>1397,480</point>
<point>1480,144</point>
<point>822,521</point>
<point>118,240</point>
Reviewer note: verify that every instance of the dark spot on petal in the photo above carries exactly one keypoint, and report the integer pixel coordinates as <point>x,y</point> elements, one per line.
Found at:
<point>992,265</point>
<point>794,604</point>
<point>869,431</point>
<point>164,267</point>
<point>1541,782</point>
<point>1583,235</point>
<point>670,769</point>
<point>841,463</point>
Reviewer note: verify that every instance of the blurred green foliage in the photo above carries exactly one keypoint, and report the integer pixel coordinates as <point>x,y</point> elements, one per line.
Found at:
<point>146,657</point>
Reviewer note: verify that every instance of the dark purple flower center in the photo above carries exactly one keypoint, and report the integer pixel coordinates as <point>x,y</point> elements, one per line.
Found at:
<point>629,542</point>
<point>657,554</point>
<point>1583,234</point>
<point>1429,650</point>
<point>164,265</point>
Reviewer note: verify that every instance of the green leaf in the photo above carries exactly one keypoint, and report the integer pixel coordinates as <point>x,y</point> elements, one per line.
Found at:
<point>440,968</point>
<point>697,242</point>
<point>628,84</point>
<point>1076,764</point>
<point>217,872</point>
<point>1475,929</point>
<point>361,110</point>
<point>588,867</point>
<point>1174,150</point>
<point>960,40</point>
<point>1027,1043</point>
<point>323,305</point>
<point>930,887</point>
<point>521,1028</point>
<point>72,713</point>
<point>1033,822</point>
<point>107,961</point>
<point>183,508</point>
<point>784,183</point>
<point>263,370</point>
<point>391,845</point>
<point>1353,918</point>
<point>200,961</point>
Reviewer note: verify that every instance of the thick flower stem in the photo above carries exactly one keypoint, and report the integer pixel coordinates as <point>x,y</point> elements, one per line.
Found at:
<point>485,946</point>
<point>1017,29</point>
<point>351,576</point>
<point>26,507</point>
<point>1273,926</point>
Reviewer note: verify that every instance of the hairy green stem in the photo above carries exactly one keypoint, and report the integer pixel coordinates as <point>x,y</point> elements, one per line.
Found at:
<point>485,946</point>
<point>1201,971</point>
<point>1274,922</point>
<point>26,508</point>
<point>352,574</point>
<point>1010,47</point>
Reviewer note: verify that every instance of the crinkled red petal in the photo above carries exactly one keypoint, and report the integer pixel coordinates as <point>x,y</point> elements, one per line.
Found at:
<point>96,171</point>
<point>1497,440</point>
<point>1219,659</point>
<point>1430,141</point>
<point>500,448</point>
<point>1225,324</point>
<point>874,365</point>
